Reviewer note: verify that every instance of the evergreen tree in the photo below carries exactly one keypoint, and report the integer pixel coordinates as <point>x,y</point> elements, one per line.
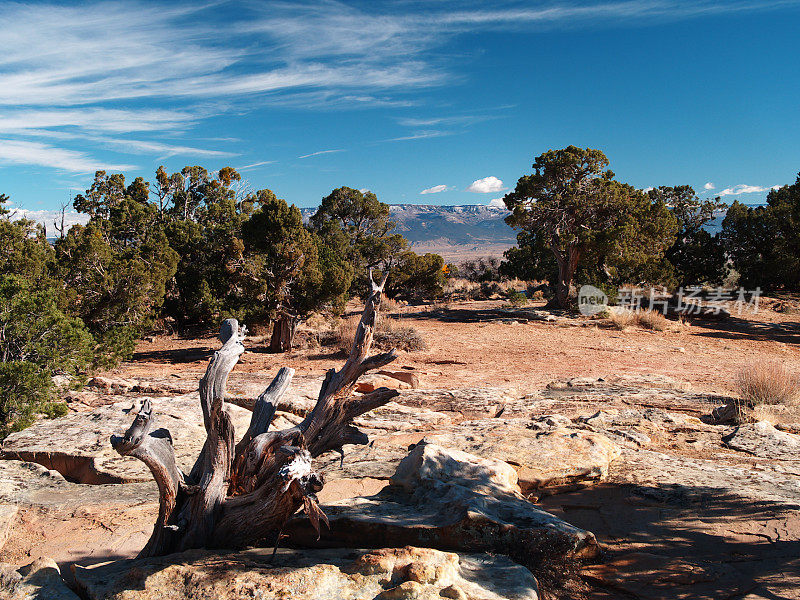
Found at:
<point>763,242</point>
<point>574,207</point>
<point>291,270</point>
<point>365,223</point>
<point>697,256</point>
<point>38,340</point>
<point>116,267</point>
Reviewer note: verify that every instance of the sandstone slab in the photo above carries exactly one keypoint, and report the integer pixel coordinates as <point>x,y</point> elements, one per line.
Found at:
<point>378,460</point>
<point>25,484</point>
<point>470,403</point>
<point>77,445</point>
<point>762,439</point>
<point>396,417</point>
<point>683,481</point>
<point>341,574</point>
<point>544,453</point>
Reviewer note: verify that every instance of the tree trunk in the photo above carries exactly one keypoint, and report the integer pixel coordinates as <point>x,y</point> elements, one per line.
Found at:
<point>282,334</point>
<point>567,261</point>
<point>240,494</point>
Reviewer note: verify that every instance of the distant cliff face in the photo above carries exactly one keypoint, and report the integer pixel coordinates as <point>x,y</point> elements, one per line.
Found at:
<point>451,225</point>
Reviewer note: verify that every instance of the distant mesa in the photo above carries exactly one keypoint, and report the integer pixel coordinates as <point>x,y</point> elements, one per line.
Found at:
<point>433,225</point>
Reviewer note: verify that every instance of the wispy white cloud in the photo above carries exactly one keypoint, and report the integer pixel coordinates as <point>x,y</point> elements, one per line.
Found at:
<point>256,164</point>
<point>23,152</point>
<point>321,152</point>
<point>436,189</point>
<point>486,185</point>
<point>746,189</point>
<point>420,135</point>
<point>95,119</point>
<point>708,186</point>
<point>132,50</point>
<point>445,121</point>
<point>497,203</point>
<point>160,149</point>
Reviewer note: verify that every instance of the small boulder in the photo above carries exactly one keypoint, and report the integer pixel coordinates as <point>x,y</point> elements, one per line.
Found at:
<point>448,499</point>
<point>371,383</point>
<point>41,580</point>
<point>111,385</point>
<point>543,456</point>
<point>409,377</point>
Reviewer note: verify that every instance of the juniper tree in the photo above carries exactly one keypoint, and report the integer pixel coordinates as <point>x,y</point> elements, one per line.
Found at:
<point>572,206</point>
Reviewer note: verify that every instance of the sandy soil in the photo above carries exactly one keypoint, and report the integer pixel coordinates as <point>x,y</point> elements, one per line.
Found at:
<point>470,345</point>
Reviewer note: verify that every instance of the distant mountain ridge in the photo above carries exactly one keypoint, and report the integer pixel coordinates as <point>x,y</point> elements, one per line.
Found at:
<point>473,224</point>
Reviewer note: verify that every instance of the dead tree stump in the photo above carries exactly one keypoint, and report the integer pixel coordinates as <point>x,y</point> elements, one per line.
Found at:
<point>238,494</point>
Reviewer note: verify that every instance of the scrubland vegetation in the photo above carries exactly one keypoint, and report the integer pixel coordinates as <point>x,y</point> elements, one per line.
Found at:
<point>194,247</point>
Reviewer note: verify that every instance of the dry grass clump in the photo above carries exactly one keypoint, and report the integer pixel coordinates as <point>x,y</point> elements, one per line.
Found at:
<point>390,305</point>
<point>388,334</point>
<point>767,383</point>
<point>621,318</point>
<point>652,319</point>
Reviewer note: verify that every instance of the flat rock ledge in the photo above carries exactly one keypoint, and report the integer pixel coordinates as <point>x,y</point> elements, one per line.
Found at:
<point>342,574</point>
<point>545,453</point>
<point>77,445</point>
<point>763,440</point>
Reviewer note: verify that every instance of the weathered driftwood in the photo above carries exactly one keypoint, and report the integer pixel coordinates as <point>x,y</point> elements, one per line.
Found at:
<point>241,493</point>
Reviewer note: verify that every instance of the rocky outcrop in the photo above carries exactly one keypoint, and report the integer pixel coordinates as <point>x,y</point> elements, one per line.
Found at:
<point>688,481</point>
<point>77,445</point>
<point>762,439</point>
<point>40,580</point>
<point>385,574</point>
<point>449,499</point>
<point>470,403</point>
<point>24,484</point>
<point>544,452</point>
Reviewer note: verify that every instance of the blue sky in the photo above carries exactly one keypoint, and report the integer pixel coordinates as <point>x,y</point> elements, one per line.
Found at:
<point>455,98</point>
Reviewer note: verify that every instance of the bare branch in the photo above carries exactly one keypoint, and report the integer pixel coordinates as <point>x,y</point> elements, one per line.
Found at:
<point>153,448</point>
<point>265,406</point>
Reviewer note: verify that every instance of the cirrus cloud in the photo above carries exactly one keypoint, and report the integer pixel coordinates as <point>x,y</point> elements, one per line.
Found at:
<point>23,152</point>
<point>436,189</point>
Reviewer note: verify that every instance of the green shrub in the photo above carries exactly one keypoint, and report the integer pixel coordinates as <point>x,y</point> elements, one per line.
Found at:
<point>38,342</point>
<point>517,299</point>
<point>25,391</point>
